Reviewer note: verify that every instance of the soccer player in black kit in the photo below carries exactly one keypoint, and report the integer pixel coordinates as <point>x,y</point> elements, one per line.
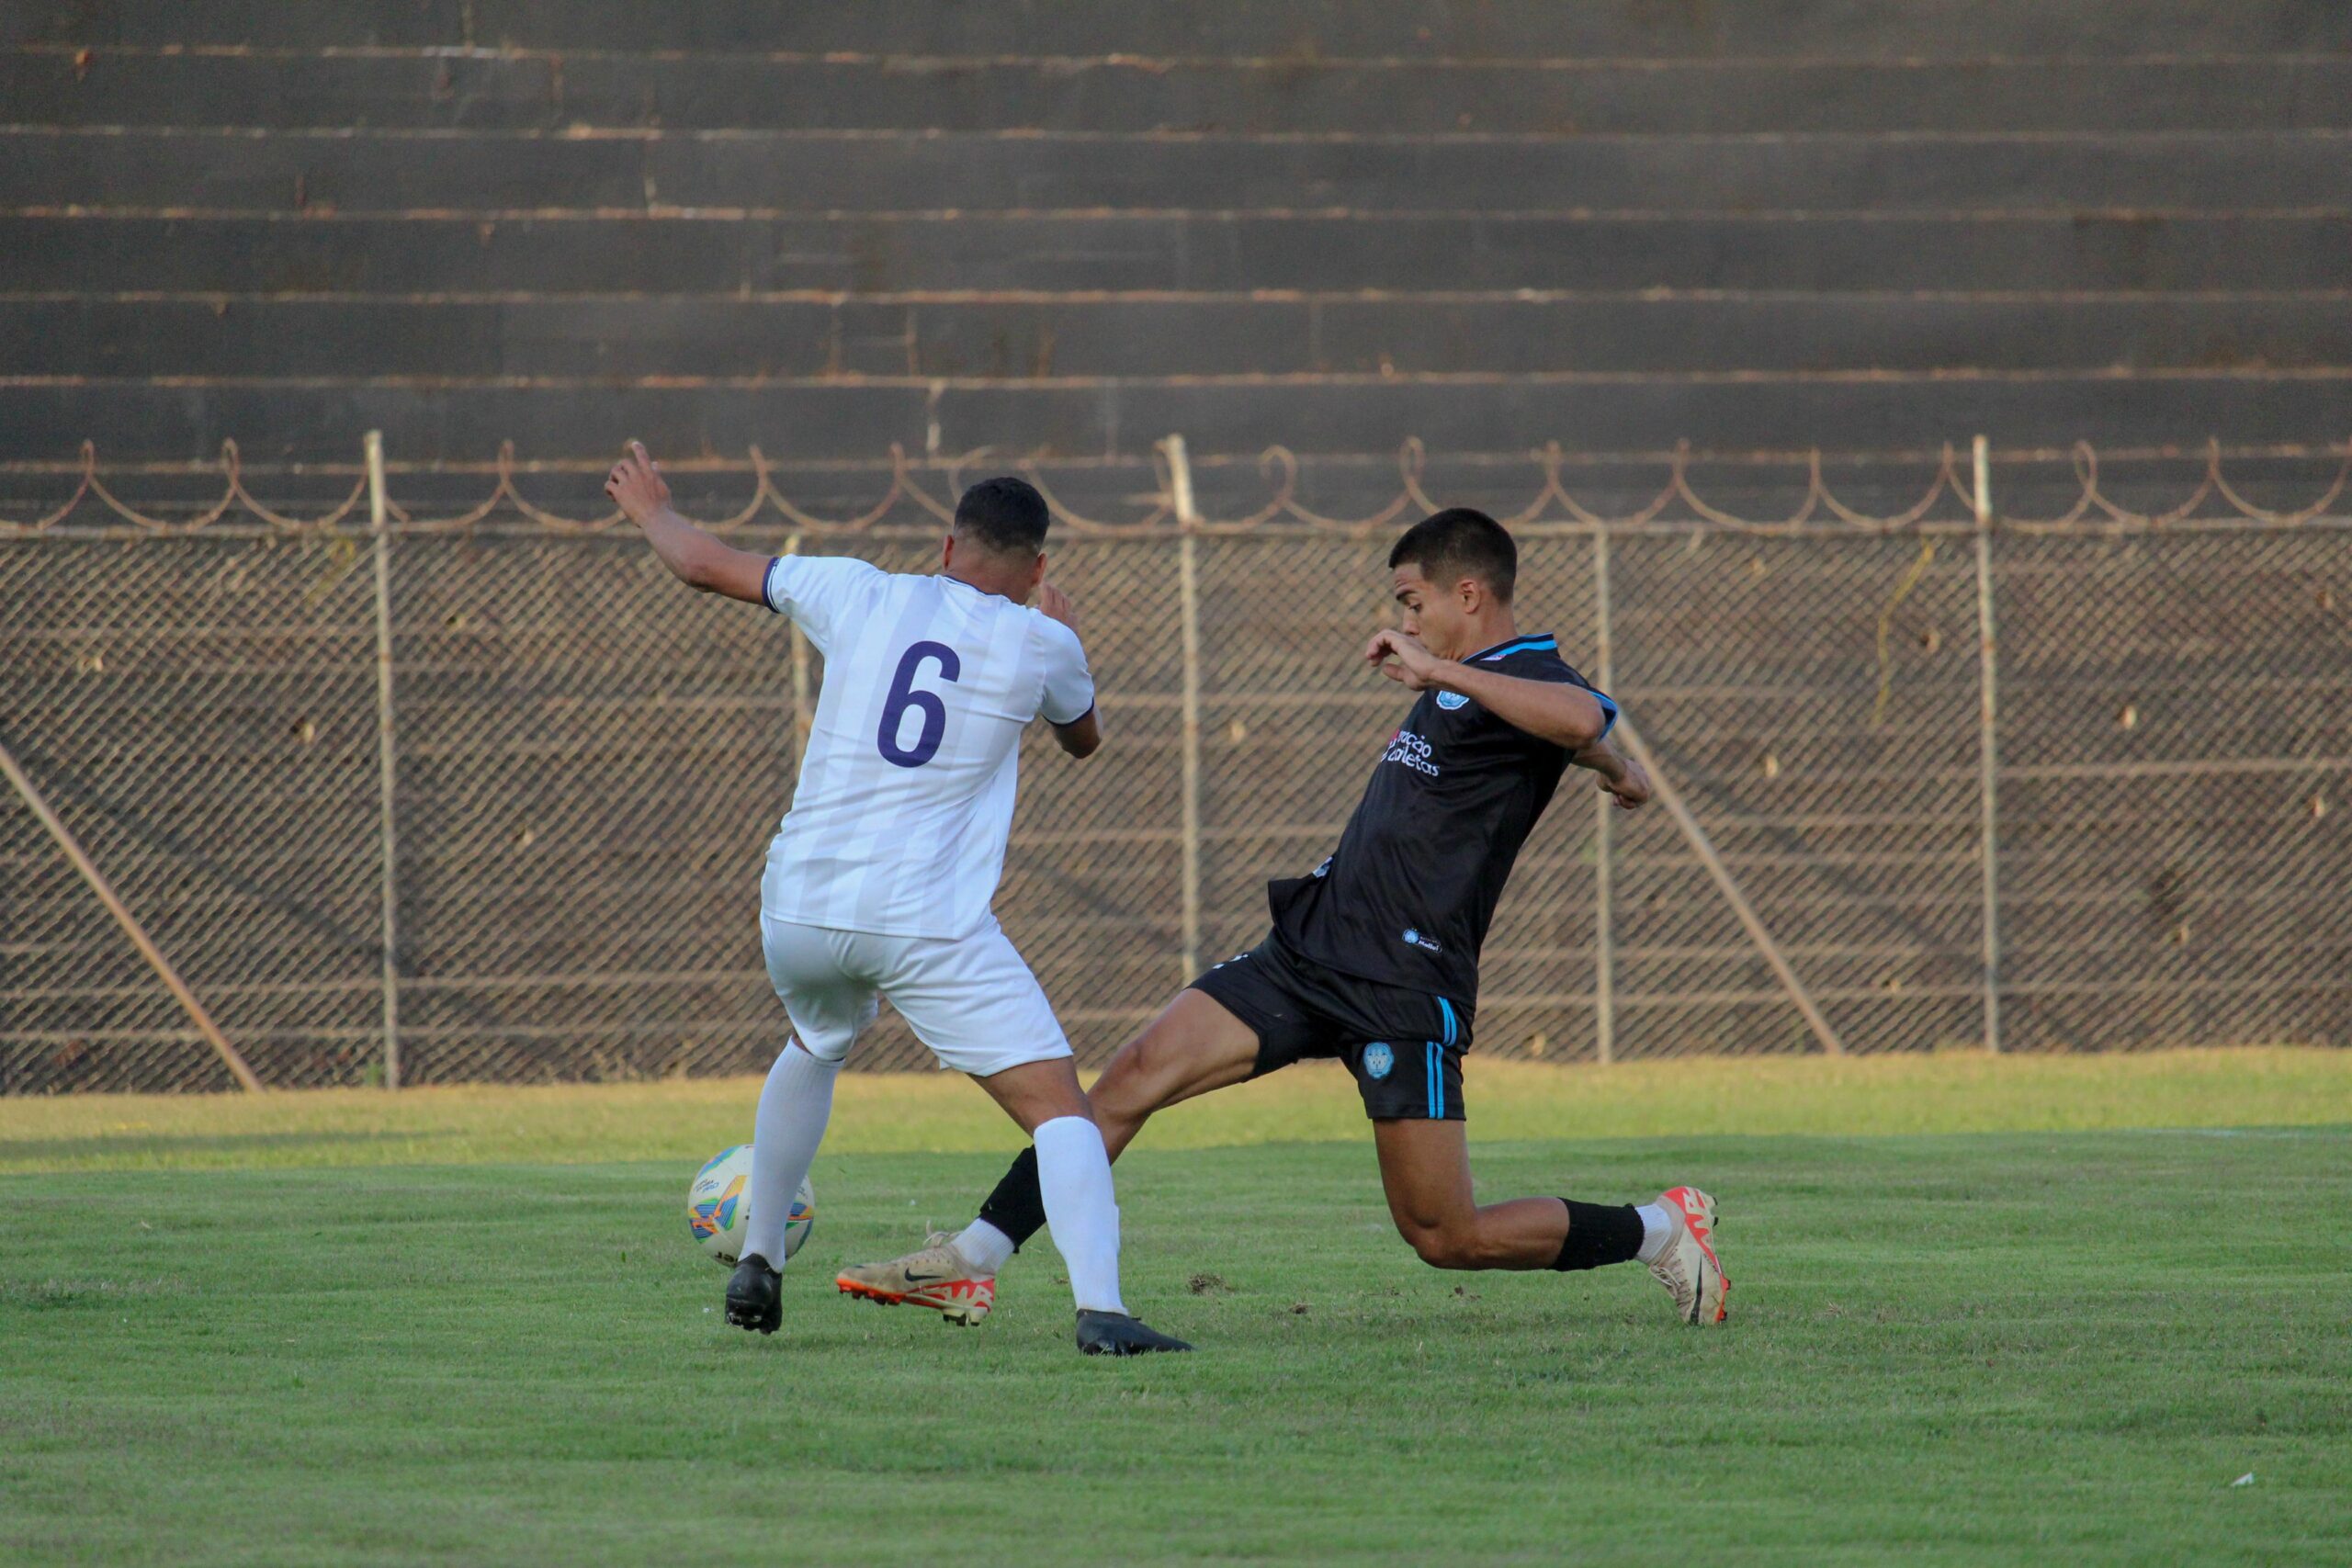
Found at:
<point>1373,958</point>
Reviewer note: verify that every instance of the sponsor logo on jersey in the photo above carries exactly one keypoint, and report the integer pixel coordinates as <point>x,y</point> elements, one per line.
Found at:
<point>1377,1060</point>
<point>1413,938</point>
<point>1451,702</point>
<point>1410,750</point>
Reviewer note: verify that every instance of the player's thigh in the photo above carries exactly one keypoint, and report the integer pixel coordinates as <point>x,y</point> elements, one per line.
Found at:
<point>1194,1046</point>
<point>1425,1171</point>
<point>972,1000</point>
<point>828,1003</point>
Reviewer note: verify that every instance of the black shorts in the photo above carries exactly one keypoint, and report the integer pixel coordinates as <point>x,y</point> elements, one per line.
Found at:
<point>1405,1047</point>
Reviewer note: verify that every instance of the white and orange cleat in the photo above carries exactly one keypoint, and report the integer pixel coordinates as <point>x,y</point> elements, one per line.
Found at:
<point>937,1277</point>
<point>1687,1265</point>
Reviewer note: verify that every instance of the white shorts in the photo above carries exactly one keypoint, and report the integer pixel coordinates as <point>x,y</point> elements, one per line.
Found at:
<point>972,1000</point>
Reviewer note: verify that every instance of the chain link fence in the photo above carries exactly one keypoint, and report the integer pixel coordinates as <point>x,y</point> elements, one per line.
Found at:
<point>2118,824</point>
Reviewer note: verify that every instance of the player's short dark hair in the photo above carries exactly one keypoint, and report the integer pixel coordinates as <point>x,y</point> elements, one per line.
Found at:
<point>1457,543</point>
<point>1006,516</point>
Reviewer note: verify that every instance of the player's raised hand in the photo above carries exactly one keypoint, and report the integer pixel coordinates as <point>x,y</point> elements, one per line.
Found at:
<point>635,484</point>
<point>1053,601</point>
<point>1403,659</point>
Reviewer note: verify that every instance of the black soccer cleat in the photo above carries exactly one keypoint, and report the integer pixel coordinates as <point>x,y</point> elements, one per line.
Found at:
<point>755,1295</point>
<point>1116,1334</point>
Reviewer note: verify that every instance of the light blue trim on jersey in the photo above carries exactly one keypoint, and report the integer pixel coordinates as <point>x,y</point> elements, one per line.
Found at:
<point>1518,644</point>
<point>1432,1056</point>
<point>1552,645</point>
<point>1446,1008</point>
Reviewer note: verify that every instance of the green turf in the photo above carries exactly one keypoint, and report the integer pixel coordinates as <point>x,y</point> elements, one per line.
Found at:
<point>1956,1091</point>
<point>2015,1347</point>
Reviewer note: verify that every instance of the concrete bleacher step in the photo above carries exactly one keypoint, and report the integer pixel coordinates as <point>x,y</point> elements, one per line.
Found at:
<point>1305,30</point>
<point>546,90</point>
<point>1779,225</point>
<point>495,173</point>
<point>323,253</point>
<point>293,420</point>
<point>626,341</point>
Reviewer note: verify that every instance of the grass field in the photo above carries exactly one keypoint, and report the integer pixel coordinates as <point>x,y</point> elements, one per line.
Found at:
<point>1977,1317</point>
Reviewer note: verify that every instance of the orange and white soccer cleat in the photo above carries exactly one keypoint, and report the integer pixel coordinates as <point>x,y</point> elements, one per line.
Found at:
<point>937,1277</point>
<point>1688,1267</point>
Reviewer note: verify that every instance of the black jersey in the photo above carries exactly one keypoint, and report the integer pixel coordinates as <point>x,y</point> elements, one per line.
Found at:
<point>1407,899</point>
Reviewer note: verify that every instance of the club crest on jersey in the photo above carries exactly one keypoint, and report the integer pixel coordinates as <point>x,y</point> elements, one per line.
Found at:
<point>1451,701</point>
<point>1377,1060</point>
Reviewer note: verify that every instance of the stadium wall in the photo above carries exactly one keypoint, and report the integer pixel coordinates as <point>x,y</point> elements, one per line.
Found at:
<point>848,245</point>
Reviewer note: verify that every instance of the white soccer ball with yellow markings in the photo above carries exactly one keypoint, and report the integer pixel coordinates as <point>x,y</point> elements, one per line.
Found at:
<point>719,1208</point>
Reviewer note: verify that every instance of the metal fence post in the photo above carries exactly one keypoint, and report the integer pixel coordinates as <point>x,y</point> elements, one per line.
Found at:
<point>1179,488</point>
<point>387,757</point>
<point>1604,943</point>
<point>1988,761</point>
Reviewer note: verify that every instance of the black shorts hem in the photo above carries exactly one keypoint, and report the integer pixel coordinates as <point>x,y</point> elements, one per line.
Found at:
<point>1394,1043</point>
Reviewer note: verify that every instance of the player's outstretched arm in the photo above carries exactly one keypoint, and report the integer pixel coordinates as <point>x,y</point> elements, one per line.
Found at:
<point>695,557</point>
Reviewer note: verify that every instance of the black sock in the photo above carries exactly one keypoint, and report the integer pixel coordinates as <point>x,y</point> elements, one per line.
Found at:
<point>1598,1234</point>
<point>1017,1207</point>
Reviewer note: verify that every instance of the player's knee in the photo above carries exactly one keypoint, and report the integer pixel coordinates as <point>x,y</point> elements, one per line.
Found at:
<point>1457,1243</point>
<point>1122,1095</point>
<point>1446,1246</point>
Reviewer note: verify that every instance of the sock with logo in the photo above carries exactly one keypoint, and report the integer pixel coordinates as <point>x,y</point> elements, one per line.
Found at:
<point>1598,1234</point>
<point>795,1104</point>
<point>1082,1209</point>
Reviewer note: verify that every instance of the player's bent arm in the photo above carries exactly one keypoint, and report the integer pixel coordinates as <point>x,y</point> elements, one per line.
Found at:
<point>1621,774</point>
<point>1081,737</point>
<point>1567,716</point>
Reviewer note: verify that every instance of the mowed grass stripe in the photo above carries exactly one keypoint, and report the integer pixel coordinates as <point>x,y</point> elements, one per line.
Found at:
<point>1984,1349</point>
<point>879,1114</point>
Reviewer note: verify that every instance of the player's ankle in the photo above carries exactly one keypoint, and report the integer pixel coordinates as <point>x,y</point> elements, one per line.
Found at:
<point>1658,1229</point>
<point>983,1248</point>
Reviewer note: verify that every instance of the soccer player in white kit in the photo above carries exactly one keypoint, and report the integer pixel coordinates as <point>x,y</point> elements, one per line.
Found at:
<point>879,882</point>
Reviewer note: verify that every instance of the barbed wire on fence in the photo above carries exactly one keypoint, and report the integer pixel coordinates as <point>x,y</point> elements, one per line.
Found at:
<point>2213,498</point>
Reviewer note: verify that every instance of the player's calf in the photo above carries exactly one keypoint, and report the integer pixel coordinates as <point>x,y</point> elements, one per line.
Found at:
<point>1471,1246</point>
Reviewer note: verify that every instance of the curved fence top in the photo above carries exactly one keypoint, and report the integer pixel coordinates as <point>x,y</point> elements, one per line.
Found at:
<point>1956,490</point>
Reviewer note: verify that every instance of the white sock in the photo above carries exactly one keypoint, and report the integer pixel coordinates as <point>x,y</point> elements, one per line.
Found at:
<point>984,1248</point>
<point>1082,1209</point>
<point>1656,1226</point>
<point>794,1105</point>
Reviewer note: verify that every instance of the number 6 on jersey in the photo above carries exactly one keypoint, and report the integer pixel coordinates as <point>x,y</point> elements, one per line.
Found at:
<point>903,696</point>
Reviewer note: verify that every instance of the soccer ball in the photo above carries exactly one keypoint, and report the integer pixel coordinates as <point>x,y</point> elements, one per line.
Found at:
<point>719,1208</point>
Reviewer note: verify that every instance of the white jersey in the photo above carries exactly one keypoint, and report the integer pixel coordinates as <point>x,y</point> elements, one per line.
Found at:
<point>905,799</point>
